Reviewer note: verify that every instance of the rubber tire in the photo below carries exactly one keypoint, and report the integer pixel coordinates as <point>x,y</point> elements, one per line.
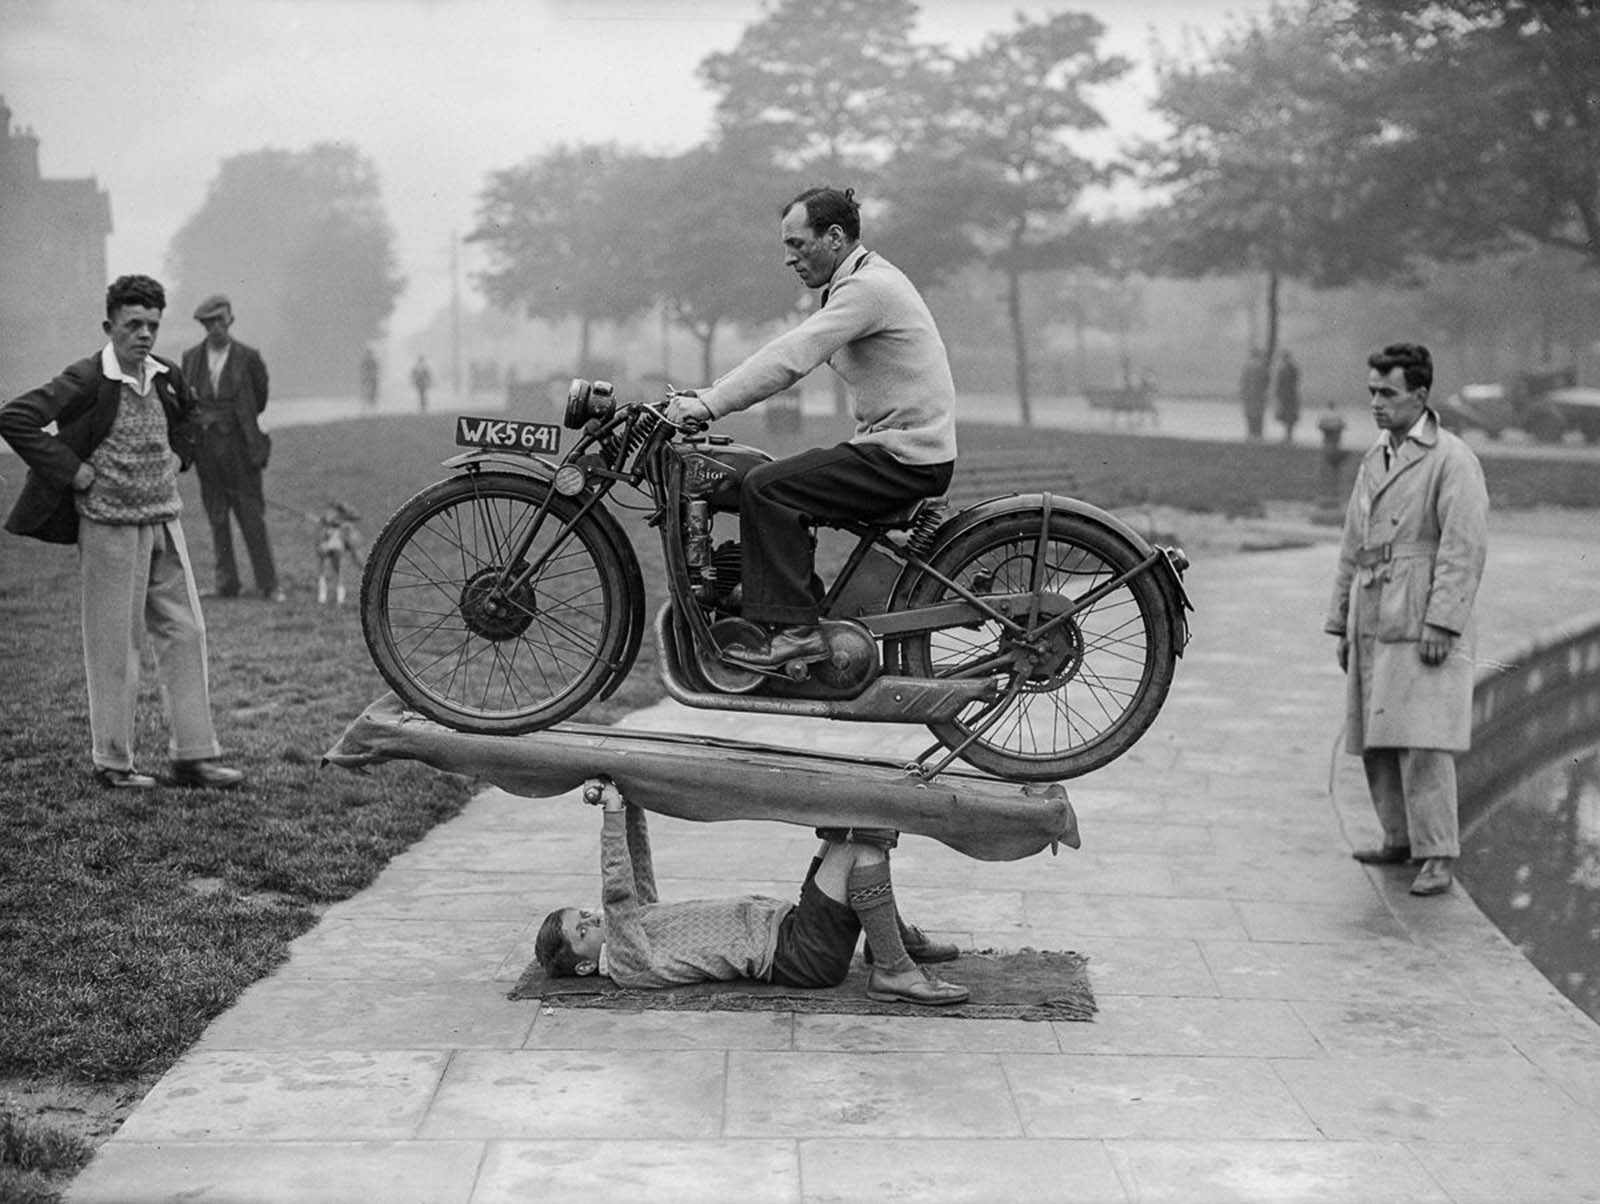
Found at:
<point>388,556</point>
<point>1155,620</point>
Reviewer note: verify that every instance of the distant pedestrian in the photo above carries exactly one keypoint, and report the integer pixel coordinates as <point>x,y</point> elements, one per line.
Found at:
<point>369,379</point>
<point>1415,539</point>
<point>107,480</point>
<point>1287,390</point>
<point>422,381</point>
<point>1254,382</point>
<point>229,381</point>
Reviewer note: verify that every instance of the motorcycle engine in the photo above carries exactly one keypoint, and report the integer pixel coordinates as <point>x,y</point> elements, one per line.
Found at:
<point>723,577</point>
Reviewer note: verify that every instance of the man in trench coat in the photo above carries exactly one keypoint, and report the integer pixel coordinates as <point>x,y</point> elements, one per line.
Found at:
<point>1415,537</point>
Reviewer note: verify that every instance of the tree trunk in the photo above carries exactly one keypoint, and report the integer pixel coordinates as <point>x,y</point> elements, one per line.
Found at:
<point>1274,282</point>
<point>1018,342</point>
<point>707,335</point>
<point>583,344</point>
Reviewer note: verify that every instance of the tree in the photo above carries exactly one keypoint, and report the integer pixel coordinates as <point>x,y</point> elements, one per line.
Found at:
<point>715,257</point>
<point>1004,116</point>
<point>565,236</point>
<point>826,87</point>
<point>1491,112</point>
<point>1263,170</point>
<point>300,242</point>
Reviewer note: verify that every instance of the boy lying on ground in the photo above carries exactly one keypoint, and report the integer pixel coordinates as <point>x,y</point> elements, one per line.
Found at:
<point>640,942</point>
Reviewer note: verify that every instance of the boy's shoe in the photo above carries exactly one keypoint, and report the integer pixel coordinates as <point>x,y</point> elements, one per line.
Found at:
<point>208,773</point>
<point>123,779</point>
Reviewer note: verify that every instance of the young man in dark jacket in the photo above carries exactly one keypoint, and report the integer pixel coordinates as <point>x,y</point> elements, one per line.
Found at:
<point>107,480</point>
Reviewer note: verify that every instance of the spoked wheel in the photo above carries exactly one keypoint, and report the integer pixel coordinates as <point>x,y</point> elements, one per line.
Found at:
<point>469,637</point>
<point>1082,691</point>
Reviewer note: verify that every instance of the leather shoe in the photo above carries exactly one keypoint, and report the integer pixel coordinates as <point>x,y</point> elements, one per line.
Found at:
<point>785,644</point>
<point>1436,876</point>
<point>209,774</point>
<point>916,987</point>
<point>920,948</point>
<point>123,779</point>
<point>1389,854</point>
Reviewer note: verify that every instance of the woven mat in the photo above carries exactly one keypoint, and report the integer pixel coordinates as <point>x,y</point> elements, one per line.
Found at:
<point>1029,984</point>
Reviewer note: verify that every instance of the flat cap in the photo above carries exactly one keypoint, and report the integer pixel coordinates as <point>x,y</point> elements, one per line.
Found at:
<point>213,306</point>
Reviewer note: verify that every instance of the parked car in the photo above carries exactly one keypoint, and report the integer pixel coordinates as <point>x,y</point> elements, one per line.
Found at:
<point>1546,405</point>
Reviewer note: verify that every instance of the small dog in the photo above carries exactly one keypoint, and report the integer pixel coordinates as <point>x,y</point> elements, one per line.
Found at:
<point>337,538</point>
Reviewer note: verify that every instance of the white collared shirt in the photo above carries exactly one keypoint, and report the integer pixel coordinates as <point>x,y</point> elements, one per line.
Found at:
<point>216,361</point>
<point>1390,451</point>
<point>141,384</point>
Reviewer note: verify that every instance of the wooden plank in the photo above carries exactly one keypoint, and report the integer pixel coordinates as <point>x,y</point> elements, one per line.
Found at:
<point>707,779</point>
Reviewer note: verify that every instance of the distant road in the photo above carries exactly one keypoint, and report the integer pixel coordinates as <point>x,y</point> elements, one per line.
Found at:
<point>1180,418</point>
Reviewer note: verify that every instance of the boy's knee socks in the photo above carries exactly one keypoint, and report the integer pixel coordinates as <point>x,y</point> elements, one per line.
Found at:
<point>872,899</point>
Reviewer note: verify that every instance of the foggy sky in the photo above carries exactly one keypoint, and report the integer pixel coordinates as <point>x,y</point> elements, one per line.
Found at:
<point>150,95</point>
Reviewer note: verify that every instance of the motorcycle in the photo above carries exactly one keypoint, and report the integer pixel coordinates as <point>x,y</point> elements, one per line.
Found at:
<point>1034,634</point>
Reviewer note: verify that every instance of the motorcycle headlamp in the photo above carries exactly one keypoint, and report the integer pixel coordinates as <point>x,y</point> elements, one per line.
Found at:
<point>587,402</point>
<point>570,480</point>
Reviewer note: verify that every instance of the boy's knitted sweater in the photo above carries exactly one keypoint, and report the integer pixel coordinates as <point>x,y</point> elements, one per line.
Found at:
<point>651,944</point>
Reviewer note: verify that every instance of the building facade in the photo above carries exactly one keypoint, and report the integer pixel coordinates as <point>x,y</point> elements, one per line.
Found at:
<point>53,248</point>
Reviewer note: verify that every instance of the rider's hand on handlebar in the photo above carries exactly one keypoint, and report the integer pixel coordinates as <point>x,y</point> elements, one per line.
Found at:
<point>688,411</point>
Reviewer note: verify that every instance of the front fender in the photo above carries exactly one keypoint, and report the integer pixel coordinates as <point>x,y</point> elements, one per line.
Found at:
<point>545,470</point>
<point>479,457</point>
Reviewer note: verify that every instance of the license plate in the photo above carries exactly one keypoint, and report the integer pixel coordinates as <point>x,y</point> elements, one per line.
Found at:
<point>509,435</point>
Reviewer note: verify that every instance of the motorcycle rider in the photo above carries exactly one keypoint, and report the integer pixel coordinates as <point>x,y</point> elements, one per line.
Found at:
<point>873,327</point>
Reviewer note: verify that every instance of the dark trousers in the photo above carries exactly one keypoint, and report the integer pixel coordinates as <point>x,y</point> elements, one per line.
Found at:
<point>230,487</point>
<point>850,481</point>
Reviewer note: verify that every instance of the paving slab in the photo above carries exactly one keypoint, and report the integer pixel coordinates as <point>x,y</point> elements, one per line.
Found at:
<point>1276,1021</point>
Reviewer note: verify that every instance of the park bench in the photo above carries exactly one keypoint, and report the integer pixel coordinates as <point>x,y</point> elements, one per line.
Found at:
<point>1136,402</point>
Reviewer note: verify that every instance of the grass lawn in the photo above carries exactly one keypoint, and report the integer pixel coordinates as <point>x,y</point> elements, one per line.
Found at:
<point>127,924</point>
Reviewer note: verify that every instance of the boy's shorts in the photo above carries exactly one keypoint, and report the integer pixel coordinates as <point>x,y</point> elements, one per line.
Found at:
<point>816,941</point>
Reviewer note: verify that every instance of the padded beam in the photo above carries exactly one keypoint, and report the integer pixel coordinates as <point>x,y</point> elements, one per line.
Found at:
<point>704,779</point>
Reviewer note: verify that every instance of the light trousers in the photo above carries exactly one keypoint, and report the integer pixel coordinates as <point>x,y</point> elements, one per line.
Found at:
<point>137,578</point>
<point>1414,793</point>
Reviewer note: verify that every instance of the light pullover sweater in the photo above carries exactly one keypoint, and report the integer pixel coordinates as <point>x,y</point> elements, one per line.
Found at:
<point>651,944</point>
<point>875,330</point>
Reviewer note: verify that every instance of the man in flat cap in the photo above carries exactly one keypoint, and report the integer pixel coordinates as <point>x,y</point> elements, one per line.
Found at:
<point>230,383</point>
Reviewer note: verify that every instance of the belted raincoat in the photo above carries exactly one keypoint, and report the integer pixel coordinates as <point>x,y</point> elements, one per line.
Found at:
<point>1415,540</point>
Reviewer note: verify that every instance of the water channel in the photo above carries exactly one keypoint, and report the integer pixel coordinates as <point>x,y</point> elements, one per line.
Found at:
<point>1530,809</point>
<point>1532,863</point>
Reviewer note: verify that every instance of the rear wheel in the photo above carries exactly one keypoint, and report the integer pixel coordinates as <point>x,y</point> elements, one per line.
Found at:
<point>459,639</point>
<point>1086,688</point>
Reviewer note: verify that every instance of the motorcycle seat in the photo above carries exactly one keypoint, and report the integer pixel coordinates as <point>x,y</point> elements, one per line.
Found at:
<point>904,516</point>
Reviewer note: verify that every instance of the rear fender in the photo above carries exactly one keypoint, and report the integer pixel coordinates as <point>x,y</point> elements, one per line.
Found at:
<point>1168,566</point>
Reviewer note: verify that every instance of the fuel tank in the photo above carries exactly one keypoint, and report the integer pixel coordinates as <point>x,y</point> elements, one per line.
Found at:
<point>714,466</point>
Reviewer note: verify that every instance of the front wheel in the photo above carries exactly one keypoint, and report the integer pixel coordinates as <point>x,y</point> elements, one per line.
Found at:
<point>464,634</point>
<point>1086,688</point>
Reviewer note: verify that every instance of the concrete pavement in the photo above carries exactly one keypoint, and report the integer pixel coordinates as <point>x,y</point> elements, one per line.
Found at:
<point>1277,1022</point>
